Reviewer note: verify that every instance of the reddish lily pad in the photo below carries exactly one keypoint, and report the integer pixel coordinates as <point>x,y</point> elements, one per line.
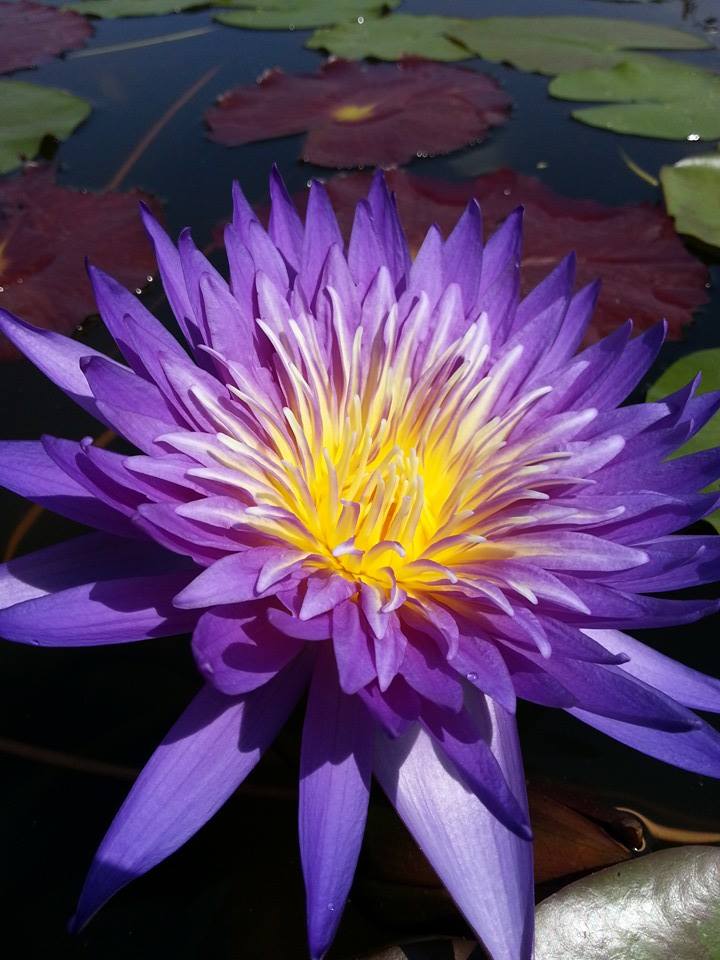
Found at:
<point>646,271</point>
<point>31,33</point>
<point>45,233</point>
<point>358,114</point>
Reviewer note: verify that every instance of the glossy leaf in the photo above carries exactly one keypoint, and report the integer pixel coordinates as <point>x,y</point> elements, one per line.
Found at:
<point>692,196</point>
<point>647,96</point>
<point>547,45</point>
<point>113,9</point>
<point>679,374</point>
<point>300,14</point>
<point>362,115</point>
<point>45,233</point>
<point>28,113</point>
<point>651,278</point>
<point>660,907</point>
<point>31,33</point>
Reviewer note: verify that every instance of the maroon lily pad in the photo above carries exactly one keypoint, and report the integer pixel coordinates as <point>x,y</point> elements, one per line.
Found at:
<point>646,272</point>
<point>46,231</point>
<point>360,114</point>
<point>31,33</point>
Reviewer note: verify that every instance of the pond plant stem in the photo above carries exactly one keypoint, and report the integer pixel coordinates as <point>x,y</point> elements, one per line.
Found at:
<point>138,44</point>
<point>157,127</point>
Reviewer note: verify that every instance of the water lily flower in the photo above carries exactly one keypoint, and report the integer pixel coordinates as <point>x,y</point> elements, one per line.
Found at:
<point>391,485</point>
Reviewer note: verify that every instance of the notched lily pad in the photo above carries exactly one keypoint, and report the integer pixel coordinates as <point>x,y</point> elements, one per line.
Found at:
<point>45,233</point>
<point>677,375</point>
<point>647,96</point>
<point>547,45</point>
<point>692,196</point>
<point>651,278</point>
<point>361,114</point>
<point>29,113</point>
<point>664,906</point>
<point>31,33</point>
<point>301,14</point>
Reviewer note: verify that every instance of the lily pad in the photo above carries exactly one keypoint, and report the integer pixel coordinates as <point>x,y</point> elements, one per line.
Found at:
<point>362,114</point>
<point>648,96</point>
<point>28,113</point>
<point>301,14</point>
<point>680,373</point>
<point>45,233</point>
<point>113,9</point>
<point>664,906</point>
<point>31,33</point>
<point>392,38</point>
<point>652,277</point>
<point>692,196</point>
<point>547,45</point>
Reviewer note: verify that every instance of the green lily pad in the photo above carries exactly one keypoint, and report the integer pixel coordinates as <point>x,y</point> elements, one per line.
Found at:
<point>648,96</point>
<point>28,113</point>
<point>680,373</point>
<point>301,14</point>
<point>660,907</point>
<point>553,45</point>
<point>113,9</point>
<point>692,196</point>
<point>547,45</point>
<point>392,38</point>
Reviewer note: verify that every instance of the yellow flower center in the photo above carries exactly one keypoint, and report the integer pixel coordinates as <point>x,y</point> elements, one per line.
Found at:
<point>354,112</point>
<point>385,470</point>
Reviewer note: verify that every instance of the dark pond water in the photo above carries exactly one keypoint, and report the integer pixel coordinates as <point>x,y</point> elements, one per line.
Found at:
<point>235,890</point>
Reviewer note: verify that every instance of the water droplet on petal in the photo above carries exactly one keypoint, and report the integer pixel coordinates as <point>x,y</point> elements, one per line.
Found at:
<point>472,677</point>
<point>331,907</point>
<point>138,290</point>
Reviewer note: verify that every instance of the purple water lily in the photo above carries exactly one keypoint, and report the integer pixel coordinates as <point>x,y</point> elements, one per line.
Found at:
<point>390,484</point>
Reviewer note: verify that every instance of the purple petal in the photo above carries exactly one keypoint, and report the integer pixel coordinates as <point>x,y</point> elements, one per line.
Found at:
<point>200,763</point>
<point>140,336</point>
<point>109,611</point>
<point>233,579</point>
<point>486,868</point>
<point>335,768</point>
<point>696,750</point>
<point>237,652</point>
<point>173,281</point>
<point>26,469</point>
<point>56,356</point>
<point>463,253</point>
<point>686,686</point>
<point>607,690</point>
<point>464,743</point>
<point>321,232</point>
<point>285,226</point>
<point>92,557</point>
<point>352,648</point>
<point>388,229</point>
<point>324,593</point>
<point>480,662</point>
